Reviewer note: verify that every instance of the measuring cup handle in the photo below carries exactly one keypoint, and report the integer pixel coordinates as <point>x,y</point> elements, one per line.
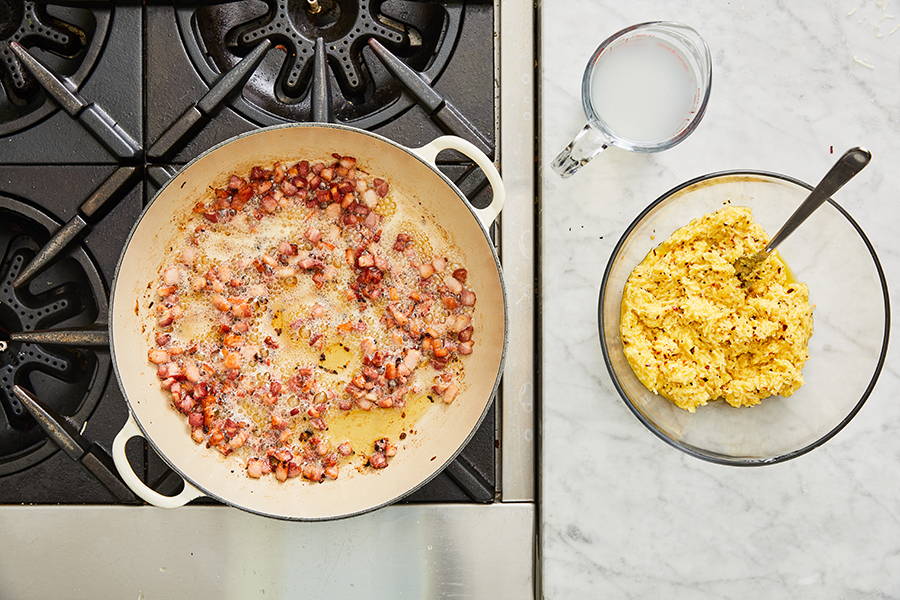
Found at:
<point>587,144</point>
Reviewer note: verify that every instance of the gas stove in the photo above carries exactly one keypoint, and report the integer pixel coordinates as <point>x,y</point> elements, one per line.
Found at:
<point>102,103</point>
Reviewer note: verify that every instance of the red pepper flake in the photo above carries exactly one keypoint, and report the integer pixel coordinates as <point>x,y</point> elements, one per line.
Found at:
<point>295,412</point>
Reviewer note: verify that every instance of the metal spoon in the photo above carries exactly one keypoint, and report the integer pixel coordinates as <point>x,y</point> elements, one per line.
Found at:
<point>848,165</point>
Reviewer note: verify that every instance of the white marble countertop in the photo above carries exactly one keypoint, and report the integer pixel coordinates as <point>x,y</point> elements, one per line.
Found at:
<point>623,514</point>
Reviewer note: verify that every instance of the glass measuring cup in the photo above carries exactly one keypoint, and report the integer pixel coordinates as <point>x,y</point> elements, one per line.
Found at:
<point>644,89</point>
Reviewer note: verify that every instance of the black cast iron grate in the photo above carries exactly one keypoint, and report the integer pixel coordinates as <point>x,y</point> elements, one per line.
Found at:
<point>69,293</point>
<point>72,379</point>
<point>67,38</point>
<point>363,93</point>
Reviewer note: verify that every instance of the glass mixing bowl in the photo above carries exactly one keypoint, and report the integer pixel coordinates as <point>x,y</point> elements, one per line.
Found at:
<point>851,320</point>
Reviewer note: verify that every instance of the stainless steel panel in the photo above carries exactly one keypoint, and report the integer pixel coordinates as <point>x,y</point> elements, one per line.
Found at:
<point>412,551</point>
<point>516,65</point>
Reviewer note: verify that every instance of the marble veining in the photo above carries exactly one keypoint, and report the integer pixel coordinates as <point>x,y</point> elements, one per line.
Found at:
<point>623,514</point>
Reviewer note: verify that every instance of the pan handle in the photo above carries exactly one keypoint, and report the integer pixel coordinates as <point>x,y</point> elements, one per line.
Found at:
<point>128,431</point>
<point>430,151</point>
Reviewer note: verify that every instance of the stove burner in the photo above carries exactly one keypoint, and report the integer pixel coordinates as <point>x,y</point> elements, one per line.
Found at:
<point>341,27</point>
<point>69,293</point>
<point>364,93</point>
<point>67,39</point>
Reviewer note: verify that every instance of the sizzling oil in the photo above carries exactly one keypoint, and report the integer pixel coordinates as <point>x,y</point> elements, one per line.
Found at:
<point>362,427</point>
<point>285,317</point>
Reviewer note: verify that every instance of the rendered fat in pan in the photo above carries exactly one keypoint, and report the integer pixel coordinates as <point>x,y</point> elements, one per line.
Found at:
<point>441,434</point>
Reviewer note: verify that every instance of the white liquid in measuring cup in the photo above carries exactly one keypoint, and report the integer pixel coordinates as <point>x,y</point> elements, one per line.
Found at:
<point>643,90</point>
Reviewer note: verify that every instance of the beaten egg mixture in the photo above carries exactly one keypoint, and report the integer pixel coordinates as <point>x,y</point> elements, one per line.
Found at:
<point>693,333</point>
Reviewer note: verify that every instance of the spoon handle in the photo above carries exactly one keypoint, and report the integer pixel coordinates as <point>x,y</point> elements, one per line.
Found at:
<point>843,171</point>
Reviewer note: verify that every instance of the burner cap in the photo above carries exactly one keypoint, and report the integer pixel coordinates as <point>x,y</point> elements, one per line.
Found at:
<point>69,293</point>
<point>65,38</point>
<point>363,92</point>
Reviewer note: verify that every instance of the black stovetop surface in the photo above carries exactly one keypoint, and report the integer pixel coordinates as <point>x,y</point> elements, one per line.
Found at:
<point>144,78</point>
